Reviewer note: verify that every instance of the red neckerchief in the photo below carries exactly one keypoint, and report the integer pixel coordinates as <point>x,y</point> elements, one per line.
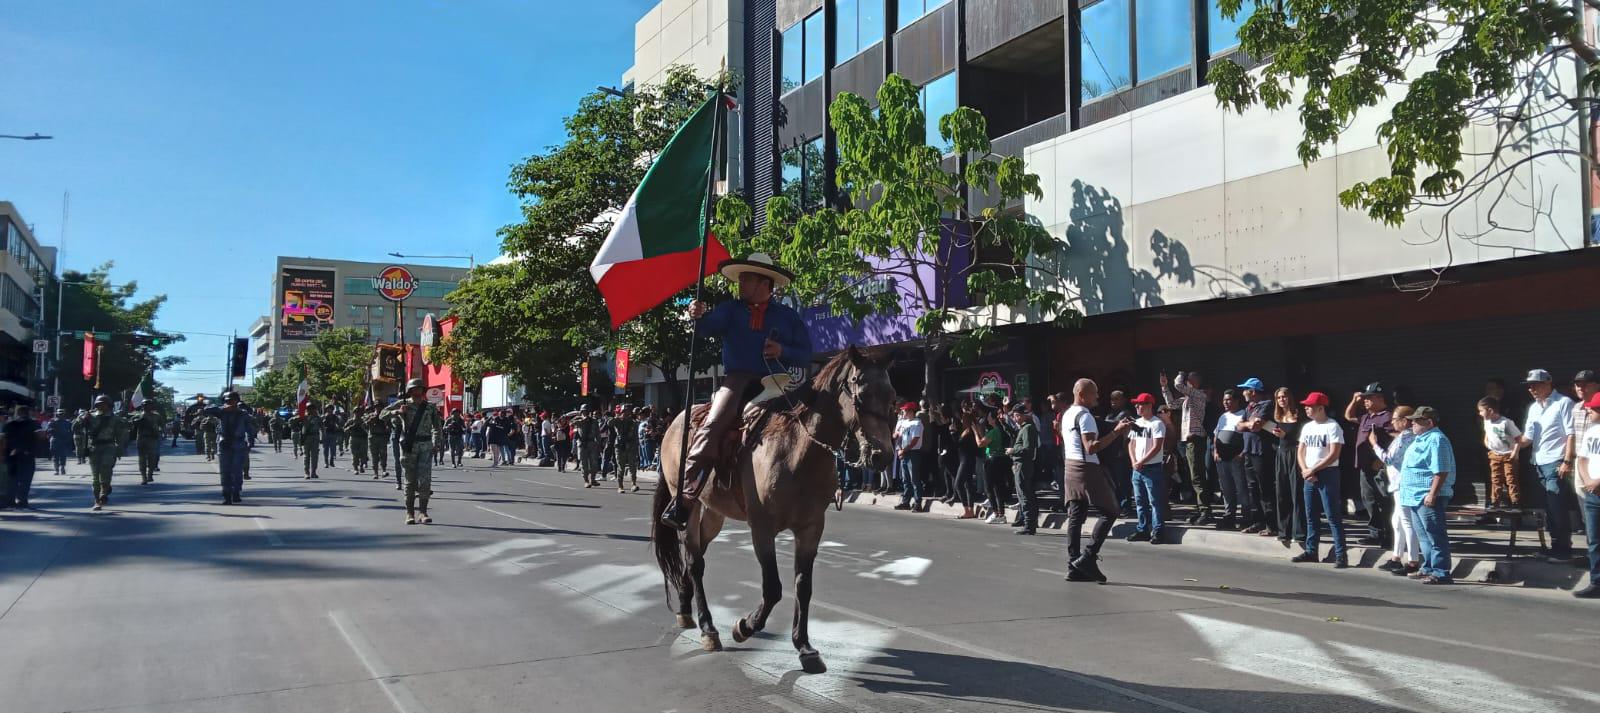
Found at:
<point>758,315</point>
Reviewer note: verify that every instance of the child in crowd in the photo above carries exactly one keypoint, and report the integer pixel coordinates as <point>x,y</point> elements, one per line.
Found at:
<point>1500,437</point>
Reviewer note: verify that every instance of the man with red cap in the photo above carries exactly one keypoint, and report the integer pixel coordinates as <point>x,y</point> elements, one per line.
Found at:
<point>1147,442</point>
<point>1321,440</point>
<point>908,433</point>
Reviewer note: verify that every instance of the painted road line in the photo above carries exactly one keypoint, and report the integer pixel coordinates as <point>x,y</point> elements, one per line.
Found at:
<point>394,687</point>
<point>1001,656</point>
<point>550,485</point>
<point>272,537</point>
<point>1378,629</point>
<point>518,519</point>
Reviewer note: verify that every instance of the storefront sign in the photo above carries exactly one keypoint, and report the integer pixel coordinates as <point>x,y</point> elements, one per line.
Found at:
<point>307,303</point>
<point>395,283</point>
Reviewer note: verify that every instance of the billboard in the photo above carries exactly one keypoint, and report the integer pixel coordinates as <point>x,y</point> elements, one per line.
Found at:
<point>306,303</point>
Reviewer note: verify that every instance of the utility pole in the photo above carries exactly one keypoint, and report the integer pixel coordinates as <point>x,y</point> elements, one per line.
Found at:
<point>61,272</point>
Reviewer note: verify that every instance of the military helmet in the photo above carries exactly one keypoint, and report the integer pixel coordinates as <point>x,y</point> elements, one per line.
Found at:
<point>230,397</point>
<point>102,399</point>
<point>416,384</point>
<point>586,408</point>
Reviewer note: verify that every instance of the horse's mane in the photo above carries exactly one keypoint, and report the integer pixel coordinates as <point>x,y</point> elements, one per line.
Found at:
<point>829,379</point>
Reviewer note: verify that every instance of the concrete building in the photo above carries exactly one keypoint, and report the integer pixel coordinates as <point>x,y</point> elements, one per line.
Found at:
<point>1191,237</point>
<point>25,278</point>
<point>707,36</point>
<point>313,294</point>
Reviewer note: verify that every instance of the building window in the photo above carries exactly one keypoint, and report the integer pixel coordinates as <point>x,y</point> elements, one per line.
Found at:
<point>1103,49</point>
<point>816,54</point>
<point>803,52</point>
<point>913,10</point>
<point>938,100</point>
<point>1165,37</point>
<point>1222,33</point>
<point>858,24</point>
<point>17,301</point>
<point>804,177</point>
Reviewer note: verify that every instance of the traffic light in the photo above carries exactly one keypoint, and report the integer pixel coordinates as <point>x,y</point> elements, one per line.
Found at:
<point>146,340</point>
<point>241,352</point>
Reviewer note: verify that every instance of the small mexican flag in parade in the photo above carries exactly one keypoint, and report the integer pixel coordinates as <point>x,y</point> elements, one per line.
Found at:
<point>654,247</point>
<point>140,392</point>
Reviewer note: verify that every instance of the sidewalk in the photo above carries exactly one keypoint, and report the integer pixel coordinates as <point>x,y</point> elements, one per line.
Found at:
<point>1480,554</point>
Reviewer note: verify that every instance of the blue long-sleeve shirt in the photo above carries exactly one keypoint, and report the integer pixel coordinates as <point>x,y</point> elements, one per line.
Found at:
<point>741,345</point>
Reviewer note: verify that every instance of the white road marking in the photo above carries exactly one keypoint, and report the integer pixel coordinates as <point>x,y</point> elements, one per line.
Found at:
<point>905,571</point>
<point>785,704</point>
<point>518,519</point>
<point>393,686</point>
<point>1001,656</point>
<point>1565,660</point>
<point>552,485</point>
<point>272,537</point>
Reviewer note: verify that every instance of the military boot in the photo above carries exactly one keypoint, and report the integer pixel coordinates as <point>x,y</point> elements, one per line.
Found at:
<point>411,502</point>
<point>423,507</point>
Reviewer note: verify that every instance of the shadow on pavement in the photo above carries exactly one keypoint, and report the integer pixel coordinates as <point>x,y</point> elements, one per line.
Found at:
<point>1311,597</point>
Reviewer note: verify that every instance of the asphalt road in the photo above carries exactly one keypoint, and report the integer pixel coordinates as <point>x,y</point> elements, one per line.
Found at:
<point>530,593</point>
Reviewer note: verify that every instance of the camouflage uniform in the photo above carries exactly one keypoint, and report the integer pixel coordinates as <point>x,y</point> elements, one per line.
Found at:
<point>147,430</point>
<point>378,443</point>
<point>106,434</point>
<point>420,426</point>
<point>356,430</point>
<point>310,439</point>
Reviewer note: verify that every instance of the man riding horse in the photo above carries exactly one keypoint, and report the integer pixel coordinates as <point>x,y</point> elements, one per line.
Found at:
<point>760,337</point>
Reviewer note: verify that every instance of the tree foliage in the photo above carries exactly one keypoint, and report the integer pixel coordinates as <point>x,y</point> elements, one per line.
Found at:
<point>1455,64</point>
<point>336,366</point>
<point>91,302</point>
<point>272,389</point>
<point>904,215</point>
<point>538,315</point>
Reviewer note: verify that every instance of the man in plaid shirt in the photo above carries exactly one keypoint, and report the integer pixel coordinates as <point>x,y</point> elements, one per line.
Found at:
<point>1192,431</point>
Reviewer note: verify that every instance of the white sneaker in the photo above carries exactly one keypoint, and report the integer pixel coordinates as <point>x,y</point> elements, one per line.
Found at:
<point>992,519</point>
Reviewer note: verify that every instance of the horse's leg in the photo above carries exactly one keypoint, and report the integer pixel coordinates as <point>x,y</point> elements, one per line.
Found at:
<point>805,555</point>
<point>707,529</point>
<point>686,587</point>
<point>761,537</point>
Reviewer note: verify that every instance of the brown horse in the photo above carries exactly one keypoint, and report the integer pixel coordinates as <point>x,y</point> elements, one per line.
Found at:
<point>782,477</point>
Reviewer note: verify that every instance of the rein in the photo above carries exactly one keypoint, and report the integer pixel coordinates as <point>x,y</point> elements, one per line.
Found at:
<point>837,451</point>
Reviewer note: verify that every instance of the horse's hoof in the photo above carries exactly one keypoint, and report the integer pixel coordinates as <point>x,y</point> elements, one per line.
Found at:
<point>684,622</point>
<point>812,663</point>
<point>711,642</point>
<point>741,632</point>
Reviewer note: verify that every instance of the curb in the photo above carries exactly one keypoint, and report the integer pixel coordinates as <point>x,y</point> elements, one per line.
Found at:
<point>1523,571</point>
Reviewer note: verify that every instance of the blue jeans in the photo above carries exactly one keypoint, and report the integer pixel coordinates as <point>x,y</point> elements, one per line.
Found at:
<point>1591,528</point>
<point>1234,488</point>
<point>1323,497</point>
<point>1150,497</point>
<point>1557,494</point>
<point>1431,535</point>
<point>910,474</point>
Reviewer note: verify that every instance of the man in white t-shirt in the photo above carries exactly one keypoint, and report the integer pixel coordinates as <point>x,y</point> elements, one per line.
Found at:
<point>1086,481</point>
<point>1321,439</point>
<point>1587,481</point>
<point>1545,436</point>
<point>908,445</point>
<point>1147,440</point>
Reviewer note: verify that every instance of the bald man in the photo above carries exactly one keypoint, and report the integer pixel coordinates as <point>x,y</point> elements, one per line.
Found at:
<point>1086,480</point>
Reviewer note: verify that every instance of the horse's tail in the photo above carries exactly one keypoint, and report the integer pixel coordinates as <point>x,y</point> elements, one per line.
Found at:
<point>669,549</point>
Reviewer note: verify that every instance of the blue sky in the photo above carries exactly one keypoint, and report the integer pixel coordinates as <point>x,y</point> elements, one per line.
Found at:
<point>201,139</point>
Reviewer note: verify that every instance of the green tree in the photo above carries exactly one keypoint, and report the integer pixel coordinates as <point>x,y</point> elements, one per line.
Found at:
<point>90,302</point>
<point>1499,66</point>
<point>905,217</point>
<point>539,315</point>
<point>271,389</point>
<point>336,365</point>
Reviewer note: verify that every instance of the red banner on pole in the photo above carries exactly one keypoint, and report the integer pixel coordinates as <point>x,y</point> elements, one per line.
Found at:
<point>622,369</point>
<point>583,383</point>
<point>88,356</point>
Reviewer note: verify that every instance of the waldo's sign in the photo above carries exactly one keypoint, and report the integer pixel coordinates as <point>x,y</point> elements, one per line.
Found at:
<point>395,283</point>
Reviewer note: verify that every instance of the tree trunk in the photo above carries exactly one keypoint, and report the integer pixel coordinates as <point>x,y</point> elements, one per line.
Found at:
<point>935,349</point>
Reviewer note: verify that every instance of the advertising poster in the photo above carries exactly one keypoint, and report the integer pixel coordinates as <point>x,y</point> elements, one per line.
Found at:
<point>307,303</point>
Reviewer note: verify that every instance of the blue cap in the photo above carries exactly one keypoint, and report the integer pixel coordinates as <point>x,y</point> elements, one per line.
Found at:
<point>1253,383</point>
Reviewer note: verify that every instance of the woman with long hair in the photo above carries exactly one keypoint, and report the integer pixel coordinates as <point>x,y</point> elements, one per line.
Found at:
<point>1286,424</point>
<point>966,441</point>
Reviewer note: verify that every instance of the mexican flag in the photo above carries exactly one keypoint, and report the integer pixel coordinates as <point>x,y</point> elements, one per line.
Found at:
<point>302,394</point>
<point>654,247</point>
<point>138,398</point>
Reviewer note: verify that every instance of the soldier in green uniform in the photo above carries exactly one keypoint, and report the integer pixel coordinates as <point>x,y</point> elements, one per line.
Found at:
<point>332,432</point>
<point>80,436</point>
<point>208,432</point>
<point>356,430</point>
<point>377,442</point>
<point>296,427</point>
<point>625,439</point>
<point>147,429</point>
<point>310,440</point>
<point>420,425</point>
<point>586,434</point>
<point>106,434</point>
<point>278,426</point>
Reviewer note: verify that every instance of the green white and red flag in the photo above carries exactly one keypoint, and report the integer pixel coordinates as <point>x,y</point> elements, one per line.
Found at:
<point>653,250</point>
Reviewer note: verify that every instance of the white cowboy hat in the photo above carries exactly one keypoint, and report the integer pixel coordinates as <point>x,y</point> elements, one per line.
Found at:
<point>758,263</point>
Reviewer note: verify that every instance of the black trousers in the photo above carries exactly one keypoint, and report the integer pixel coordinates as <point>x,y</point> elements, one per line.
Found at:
<point>1379,507</point>
<point>1027,499</point>
<point>1259,474</point>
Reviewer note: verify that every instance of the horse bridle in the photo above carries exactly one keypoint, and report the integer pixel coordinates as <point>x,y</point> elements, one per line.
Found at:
<point>856,403</point>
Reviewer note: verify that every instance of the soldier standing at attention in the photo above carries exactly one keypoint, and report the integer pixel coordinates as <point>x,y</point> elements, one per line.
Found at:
<point>586,433</point>
<point>378,442</point>
<point>332,431</point>
<point>356,431</point>
<point>147,429</point>
<point>233,428</point>
<point>310,439</point>
<point>625,439</point>
<point>106,433</point>
<point>455,430</point>
<point>80,436</point>
<point>420,424</point>
<point>295,428</point>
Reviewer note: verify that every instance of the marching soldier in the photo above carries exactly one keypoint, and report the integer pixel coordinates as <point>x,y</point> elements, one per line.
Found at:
<point>80,436</point>
<point>296,428</point>
<point>625,439</point>
<point>455,429</point>
<point>278,426</point>
<point>106,433</point>
<point>356,430</point>
<point>420,424</point>
<point>310,440</point>
<point>586,432</point>
<point>233,426</point>
<point>332,432</point>
<point>377,442</point>
<point>208,430</point>
<point>147,430</point>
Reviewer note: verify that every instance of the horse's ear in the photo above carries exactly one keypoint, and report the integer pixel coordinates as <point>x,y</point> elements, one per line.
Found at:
<point>854,355</point>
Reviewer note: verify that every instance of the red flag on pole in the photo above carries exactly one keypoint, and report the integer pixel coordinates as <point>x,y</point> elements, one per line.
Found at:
<point>89,353</point>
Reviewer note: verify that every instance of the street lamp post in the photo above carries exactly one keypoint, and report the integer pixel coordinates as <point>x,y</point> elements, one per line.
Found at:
<point>35,136</point>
